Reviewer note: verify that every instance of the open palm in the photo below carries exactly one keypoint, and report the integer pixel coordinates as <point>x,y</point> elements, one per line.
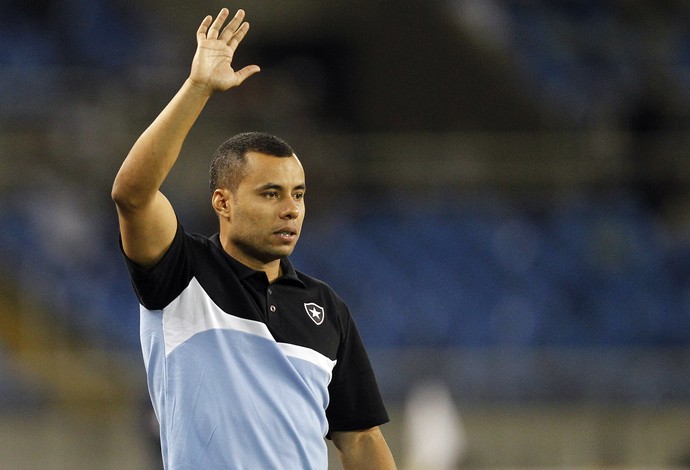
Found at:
<point>212,64</point>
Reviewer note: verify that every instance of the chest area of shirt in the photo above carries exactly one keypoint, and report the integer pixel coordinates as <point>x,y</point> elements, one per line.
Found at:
<point>297,315</point>
<point>293,312</point>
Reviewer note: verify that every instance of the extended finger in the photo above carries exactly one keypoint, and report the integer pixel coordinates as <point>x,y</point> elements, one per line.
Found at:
<point>214,30</point>
<point>203,28</point>
<point>232,27</point>
<point>238,36</point>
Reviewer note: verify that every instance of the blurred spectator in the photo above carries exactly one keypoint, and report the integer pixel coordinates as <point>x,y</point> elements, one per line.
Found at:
<point>434,434</point>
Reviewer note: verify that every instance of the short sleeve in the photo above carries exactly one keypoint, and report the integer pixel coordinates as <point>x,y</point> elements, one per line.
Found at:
<point>158,286</point>
<point>355,399</point>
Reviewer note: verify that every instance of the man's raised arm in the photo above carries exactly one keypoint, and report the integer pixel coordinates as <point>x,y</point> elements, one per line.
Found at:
<point>147,220</point>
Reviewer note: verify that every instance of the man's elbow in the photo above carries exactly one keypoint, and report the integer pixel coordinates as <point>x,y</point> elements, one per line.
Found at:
<point>120,196</point>
<point>126,197</point>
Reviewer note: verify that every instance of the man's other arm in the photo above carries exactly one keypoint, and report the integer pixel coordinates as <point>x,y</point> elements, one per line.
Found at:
<point>363,450</point>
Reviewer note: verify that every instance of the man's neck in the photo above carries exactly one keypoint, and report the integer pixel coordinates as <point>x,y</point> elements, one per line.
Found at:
<point>272,269</point>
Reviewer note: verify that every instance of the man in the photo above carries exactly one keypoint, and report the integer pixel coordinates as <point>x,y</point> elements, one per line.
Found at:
<point>250,364</point>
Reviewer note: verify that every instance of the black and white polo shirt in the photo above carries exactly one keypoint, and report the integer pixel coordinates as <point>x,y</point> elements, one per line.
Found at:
<point>244,374</point>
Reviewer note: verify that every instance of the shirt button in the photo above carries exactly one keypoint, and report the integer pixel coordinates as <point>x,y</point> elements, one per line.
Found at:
<point>270,292</point>
<point>272,308</point>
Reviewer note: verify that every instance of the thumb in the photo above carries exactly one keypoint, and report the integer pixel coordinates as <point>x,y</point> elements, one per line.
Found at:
<point>246,72</point>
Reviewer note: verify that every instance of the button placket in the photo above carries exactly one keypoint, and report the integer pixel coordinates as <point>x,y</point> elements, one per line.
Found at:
<point>269,300</point>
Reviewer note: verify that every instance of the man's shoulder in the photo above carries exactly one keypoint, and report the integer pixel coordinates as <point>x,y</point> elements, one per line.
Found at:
<point>203,243</point>
<point>311,281</point>
<point>324,288</point>
<point>201,239</point>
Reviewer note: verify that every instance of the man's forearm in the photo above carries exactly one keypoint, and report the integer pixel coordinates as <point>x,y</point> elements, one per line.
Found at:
<point>155,152</point>
<point>157,149</point>
<point>364,450</point>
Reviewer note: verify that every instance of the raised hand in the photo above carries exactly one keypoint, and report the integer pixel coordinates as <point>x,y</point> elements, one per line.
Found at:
<point>212,65</point>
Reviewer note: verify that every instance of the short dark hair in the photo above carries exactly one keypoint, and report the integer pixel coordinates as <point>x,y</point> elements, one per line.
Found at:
<point>229,160</point>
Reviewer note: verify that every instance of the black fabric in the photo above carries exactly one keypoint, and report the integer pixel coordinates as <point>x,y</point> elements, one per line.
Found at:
<point>355,400</point>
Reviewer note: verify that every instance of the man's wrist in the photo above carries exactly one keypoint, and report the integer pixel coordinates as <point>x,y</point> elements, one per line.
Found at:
<point>202,89</point>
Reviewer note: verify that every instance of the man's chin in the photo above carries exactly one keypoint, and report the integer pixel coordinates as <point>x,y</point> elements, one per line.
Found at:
<point>279,252</point>
<point>287,251</point>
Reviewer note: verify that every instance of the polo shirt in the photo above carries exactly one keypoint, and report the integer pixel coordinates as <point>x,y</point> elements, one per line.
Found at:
<point>244,374</point>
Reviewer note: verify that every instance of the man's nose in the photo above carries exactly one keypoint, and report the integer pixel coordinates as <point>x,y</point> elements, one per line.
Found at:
<point>290,211</point>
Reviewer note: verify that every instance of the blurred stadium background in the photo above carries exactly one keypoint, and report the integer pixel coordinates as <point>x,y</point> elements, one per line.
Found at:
<point>499,189</point>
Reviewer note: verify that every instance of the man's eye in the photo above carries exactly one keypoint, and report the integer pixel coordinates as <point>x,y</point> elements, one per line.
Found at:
<point>271,194</point>
<point>299,195</point>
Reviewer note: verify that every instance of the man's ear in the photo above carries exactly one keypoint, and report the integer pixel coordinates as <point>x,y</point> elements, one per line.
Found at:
<point>221,202</point>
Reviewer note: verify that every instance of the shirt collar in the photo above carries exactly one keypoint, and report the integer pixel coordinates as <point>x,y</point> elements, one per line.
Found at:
<point>243,271</point>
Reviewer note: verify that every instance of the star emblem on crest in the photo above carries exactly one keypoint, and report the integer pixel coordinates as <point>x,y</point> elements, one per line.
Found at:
<point>315,312</point>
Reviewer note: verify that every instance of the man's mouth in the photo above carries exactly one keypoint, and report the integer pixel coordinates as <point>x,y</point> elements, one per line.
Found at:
<point>286,233</point>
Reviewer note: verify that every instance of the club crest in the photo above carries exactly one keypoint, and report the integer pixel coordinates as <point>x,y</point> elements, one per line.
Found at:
<point>315,312</point>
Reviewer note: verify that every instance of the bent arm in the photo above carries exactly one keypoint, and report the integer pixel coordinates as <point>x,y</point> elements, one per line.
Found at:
<point>147,219</point>
<point>363,450</point>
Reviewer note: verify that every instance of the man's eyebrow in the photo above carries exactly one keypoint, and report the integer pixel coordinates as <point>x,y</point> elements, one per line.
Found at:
<point>277,186</point>
<point>269,186</point>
